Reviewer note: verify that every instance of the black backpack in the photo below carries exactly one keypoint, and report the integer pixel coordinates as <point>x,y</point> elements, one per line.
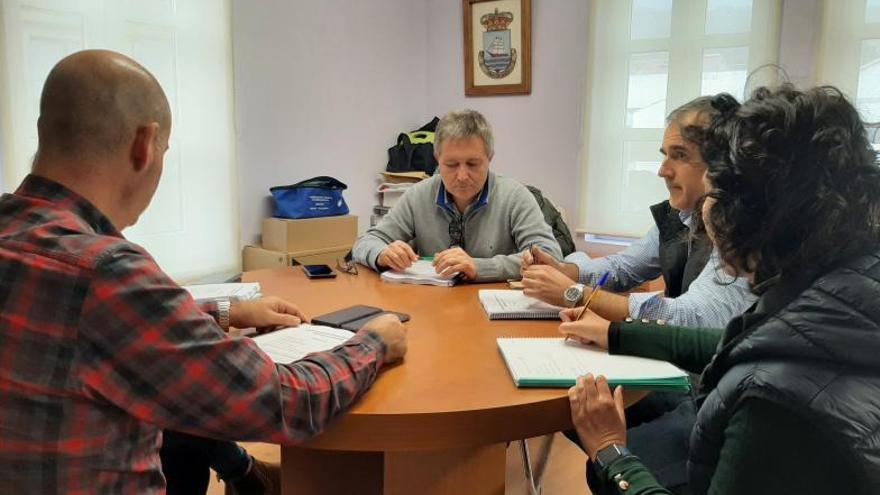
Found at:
<point>554,220</point>
<point>414,151</point>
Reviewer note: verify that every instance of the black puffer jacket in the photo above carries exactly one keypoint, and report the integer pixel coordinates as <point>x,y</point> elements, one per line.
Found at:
<point>816,353</point>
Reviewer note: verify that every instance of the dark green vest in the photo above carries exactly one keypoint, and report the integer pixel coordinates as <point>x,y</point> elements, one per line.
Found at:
<point>681,257</point>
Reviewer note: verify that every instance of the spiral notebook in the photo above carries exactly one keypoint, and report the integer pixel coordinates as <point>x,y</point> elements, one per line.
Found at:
<point>557,363</point>
<point>514,305</point>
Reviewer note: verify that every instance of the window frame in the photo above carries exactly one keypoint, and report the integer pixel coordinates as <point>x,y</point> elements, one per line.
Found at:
<point>602,190</point>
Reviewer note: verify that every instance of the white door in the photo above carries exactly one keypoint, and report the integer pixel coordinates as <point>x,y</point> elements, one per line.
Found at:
<point>191,227</point>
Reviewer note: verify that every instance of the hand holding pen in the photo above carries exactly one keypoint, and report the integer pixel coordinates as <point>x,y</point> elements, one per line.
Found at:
<point>535,252</point>
<point>598,285</point>
<point>530,257</point>
<point>585,326</point>
<point>534,255</point>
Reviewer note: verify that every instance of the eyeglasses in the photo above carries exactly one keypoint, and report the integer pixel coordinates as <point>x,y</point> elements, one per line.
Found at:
<point>456,231</point>
<point>347,266</point>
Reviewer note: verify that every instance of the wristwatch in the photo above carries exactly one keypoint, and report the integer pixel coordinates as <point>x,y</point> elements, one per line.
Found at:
<point>611,453</point>
<point>573,295</point>
<point>223,314</point>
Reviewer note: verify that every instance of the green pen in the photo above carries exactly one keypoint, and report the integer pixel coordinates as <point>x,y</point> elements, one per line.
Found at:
<point>426,258</point>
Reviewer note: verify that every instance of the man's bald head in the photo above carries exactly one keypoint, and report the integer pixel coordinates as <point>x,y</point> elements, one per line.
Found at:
<point>94,101</point>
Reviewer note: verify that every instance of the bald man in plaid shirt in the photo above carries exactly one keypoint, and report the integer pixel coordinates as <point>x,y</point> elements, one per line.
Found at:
<point>99,349</point>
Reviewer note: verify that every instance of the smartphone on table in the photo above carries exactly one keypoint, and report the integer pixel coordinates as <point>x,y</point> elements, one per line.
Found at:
<point>318,271</point>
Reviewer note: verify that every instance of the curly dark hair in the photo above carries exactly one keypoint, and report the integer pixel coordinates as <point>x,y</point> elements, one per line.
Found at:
<point>795,182</point>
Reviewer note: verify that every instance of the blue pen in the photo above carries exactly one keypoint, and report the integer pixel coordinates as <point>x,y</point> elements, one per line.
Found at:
<point>596,288</point>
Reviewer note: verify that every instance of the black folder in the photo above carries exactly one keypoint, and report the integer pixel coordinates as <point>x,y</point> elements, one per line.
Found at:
<point>354,317</point>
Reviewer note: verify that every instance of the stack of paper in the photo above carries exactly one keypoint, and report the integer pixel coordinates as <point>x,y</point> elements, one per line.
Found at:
<point>421,272</point>
<point>291,344</point>
<point>514,305</point>
<point>549,362</point>
<point>233,292</point>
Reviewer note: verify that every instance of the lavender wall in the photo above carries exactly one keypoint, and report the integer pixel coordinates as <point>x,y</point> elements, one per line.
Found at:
<point>537,136</point>
<point>323,88</point>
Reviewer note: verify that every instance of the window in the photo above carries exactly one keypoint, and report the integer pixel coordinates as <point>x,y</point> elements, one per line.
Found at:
<point>646,58</point>
<point>191,226</point>
<point>2,153</point>
<point>849,55</point>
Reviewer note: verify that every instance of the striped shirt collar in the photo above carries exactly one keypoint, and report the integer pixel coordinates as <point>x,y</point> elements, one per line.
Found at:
<point>687,218</point>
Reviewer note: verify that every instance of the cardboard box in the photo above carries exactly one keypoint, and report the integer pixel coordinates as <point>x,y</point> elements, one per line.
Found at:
<point>256,257</point>
<point>320,256</point>
<point>285,235</point>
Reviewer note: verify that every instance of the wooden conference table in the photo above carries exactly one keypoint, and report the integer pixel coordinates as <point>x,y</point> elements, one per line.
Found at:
<point>439,422</point>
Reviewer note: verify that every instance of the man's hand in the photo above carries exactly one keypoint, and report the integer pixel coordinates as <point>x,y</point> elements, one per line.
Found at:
<point>591,329</point>
<point>537,256</point>
<point>546,283</point>
<point>455,260</point>
<point>397,256</point>
<point>392,332</point>
<point>266,312</point>
<point>597,414</point>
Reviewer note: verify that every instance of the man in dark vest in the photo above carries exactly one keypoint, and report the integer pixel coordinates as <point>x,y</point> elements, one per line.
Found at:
<point>696,293</point>
<point>788,400</point>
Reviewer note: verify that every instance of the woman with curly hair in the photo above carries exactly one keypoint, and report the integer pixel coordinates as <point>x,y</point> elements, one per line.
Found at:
<point>789,400</point>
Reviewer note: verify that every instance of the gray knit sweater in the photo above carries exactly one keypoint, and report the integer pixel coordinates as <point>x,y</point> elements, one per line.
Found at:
<point>494,233</point>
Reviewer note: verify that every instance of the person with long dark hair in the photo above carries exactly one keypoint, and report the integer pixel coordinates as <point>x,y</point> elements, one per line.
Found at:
<point>789,400</point>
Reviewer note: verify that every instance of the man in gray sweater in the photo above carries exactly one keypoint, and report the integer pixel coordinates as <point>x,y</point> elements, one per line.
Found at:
<point>472,221</point>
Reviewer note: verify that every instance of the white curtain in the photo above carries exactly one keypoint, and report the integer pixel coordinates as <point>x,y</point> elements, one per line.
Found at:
<point>191,227</point>
<point>647,57</point>
<point>849,52</point>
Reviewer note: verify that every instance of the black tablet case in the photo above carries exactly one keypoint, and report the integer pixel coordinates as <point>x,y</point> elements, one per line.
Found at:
<point>354,317</point>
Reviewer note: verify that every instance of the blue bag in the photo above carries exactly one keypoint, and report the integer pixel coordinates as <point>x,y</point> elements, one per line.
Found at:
<point>315,197</point>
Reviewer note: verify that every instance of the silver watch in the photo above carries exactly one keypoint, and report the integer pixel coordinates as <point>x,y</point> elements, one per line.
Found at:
<point>573,295</point>
<point>223,314</point>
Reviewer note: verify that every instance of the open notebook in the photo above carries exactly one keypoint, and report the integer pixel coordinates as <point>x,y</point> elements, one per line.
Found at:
<point>553,362</point>
<point>290,344</point>
<point>514,305</point>
<point>421,272</point>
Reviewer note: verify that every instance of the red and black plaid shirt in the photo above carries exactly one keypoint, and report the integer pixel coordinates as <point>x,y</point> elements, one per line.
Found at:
<point>100,351</point>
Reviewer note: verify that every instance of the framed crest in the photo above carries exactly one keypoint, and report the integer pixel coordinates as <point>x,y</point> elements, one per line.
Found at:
<point>497,47</point>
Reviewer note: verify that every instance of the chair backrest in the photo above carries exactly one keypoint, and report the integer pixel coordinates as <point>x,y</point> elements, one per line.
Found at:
<point>554,219</point>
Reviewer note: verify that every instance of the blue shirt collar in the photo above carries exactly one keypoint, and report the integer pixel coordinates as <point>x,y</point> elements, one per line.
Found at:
<point>445,201</point>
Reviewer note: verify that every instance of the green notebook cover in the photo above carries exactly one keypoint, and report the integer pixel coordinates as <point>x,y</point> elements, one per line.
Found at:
<point>555,363</point>
<point>670,384</point>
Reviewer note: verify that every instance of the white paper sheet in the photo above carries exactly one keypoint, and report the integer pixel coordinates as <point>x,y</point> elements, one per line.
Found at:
<point>294,343</point>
